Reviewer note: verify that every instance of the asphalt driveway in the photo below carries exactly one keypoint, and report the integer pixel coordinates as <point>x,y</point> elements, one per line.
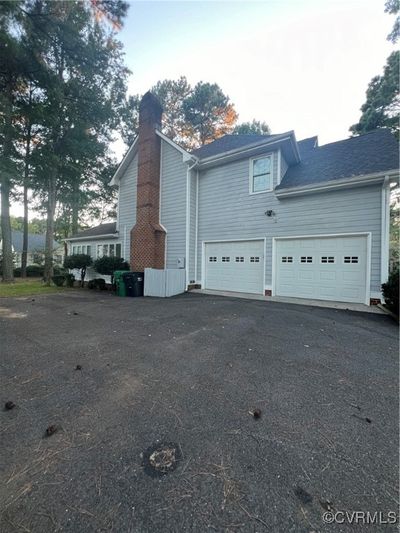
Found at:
<point>155,432</point>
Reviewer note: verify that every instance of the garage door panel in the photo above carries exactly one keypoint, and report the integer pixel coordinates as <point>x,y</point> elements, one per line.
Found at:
<point>328,268</point>
<point>244,272</point>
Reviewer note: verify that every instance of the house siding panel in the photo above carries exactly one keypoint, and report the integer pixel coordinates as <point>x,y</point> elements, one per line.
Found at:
<point>173,203</point>
<point>228,211</point>
<point>127,206</point>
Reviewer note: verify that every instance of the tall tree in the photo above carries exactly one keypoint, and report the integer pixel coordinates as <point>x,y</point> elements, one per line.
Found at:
<point>393,8</point>
<point>254,127</point>
<point>210,113</point>
<point>83,80</point>
<point>382,106</point>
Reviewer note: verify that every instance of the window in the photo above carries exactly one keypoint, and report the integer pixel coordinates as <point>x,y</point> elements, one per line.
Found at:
<point>350,259</point>
<point>110,250</point>
<point>287,259</point>
<point>212,259</point>
<point>239,259</point>
<point>254,259</point>
<point>226,259</point>
<point>305,259</point>
<point>260,174</point>
<point>327,259</point>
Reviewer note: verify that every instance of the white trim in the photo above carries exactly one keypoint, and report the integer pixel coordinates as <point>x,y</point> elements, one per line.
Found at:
<point>269,155</point>
<point>203,258</point>
<point>249,147</point>
<point>124,163</point>
<point>196,228</point>
<point>327,235</point>
<point>94,237</point>
<point>385,229</point>
<point>186,156</point>
<point>364,179</point>
<point>278,167</point>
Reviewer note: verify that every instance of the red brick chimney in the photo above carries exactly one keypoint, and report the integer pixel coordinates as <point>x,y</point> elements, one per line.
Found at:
<point>148,236</point>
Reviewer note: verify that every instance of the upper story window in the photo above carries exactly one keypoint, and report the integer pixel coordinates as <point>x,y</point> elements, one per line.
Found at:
<point>260,174</point>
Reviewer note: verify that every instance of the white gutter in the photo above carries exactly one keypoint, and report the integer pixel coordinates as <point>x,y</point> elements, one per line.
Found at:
<point>93,237</point>
<point>365,179</point>
<point>187,241</point>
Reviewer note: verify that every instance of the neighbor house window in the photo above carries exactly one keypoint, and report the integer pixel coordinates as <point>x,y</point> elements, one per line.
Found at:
<point>261,174</point>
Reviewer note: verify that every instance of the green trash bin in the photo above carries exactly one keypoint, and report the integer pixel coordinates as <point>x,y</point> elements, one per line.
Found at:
<point>119,282</point>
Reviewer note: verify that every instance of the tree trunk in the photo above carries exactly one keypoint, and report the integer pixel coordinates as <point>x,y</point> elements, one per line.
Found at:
<point>7,255</point>
<point>51,209</point>
<point>24,257</point>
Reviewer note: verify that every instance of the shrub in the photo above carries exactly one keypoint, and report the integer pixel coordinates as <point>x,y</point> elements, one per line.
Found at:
<point>58,280</point>
<point>108,265</point>
<point>390,291</point>
<point>69,280</point>
<point>80,262</point>
<point>98,283</point>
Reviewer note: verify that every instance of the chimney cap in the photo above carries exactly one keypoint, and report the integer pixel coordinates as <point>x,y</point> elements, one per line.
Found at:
<point>150,100</point>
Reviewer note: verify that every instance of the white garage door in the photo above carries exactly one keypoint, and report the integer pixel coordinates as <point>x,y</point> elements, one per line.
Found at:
<point>329,268</point>
<point>235,266</point>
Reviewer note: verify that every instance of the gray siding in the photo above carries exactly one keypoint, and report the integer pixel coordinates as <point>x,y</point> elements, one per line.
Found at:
<point>127,206</point>
<point>173,202</point>
<point>228,211</point>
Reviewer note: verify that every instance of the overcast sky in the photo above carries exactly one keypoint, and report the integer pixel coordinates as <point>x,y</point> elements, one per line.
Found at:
<point>297,64</point>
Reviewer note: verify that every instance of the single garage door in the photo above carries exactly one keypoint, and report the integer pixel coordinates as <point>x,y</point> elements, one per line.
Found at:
<point>328,268</point>
<point>235,266</point>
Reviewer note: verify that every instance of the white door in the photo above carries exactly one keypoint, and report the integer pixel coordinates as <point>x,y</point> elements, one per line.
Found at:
<point>322,268</point>
<point>235,266</point>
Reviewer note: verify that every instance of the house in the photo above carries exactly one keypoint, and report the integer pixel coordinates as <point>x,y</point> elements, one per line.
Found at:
<point>264,214</point>
<point>36,246</point>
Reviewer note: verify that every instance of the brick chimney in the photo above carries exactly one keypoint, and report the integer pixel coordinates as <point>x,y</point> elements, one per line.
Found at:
<point>148,236</point>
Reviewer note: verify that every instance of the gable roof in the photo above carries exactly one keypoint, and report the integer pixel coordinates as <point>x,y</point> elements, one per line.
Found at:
<point>36,243</point>
<point>230,142</point>
<point>102,229</point>
<point>370,153</point>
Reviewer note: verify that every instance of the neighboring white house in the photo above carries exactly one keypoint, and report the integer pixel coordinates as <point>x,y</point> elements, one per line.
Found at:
<point>36,246</point>
<point>262,214</point>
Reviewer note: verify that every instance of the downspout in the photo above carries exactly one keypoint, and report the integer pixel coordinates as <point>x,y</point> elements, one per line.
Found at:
<point>196,228</point>
<point>187,243</point>
<point>385,230</point>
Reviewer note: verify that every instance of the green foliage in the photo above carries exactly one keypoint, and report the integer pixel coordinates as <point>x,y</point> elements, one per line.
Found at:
<point>210,113</point>
<point>393,8</point>
<point>58,280</point>
<point>98,283</point>
<point>382,106</point>
<point>390,291</point>
<point>77,261</point>
<point>108,265</point>
<point>253,127</point>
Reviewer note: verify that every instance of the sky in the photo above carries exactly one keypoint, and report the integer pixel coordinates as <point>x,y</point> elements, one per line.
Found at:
<point>301,65</point>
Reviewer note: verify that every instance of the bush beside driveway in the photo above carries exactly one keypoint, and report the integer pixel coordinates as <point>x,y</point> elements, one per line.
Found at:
<point>186,373</point>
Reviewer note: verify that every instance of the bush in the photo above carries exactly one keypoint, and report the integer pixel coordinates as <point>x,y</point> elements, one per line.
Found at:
<point>98,283</point>
<point>390,292</point>
<point>58,280</point>
<point>69,280</point>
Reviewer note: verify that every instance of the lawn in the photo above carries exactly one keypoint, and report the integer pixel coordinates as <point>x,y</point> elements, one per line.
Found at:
<point>27,287</point>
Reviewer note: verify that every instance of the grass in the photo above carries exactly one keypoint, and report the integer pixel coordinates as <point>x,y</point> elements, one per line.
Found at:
<point>27,287</point>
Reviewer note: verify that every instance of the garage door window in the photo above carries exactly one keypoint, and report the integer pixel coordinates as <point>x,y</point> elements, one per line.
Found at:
<point>305,259</point>
<point>350,259</point>
<point>287,259</point>
<point>327,259</point>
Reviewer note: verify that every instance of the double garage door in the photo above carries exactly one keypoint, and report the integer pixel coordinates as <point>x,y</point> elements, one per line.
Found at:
<point>322,268</point>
